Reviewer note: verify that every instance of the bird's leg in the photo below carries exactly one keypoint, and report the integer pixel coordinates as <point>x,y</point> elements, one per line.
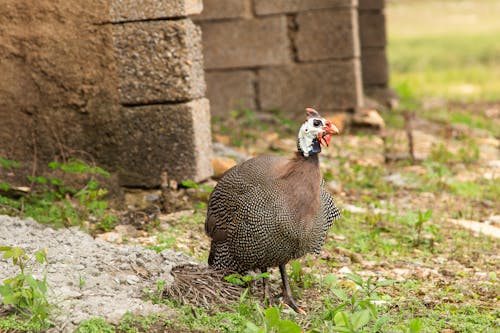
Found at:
<point>267,290</point>
<point>287,292</point>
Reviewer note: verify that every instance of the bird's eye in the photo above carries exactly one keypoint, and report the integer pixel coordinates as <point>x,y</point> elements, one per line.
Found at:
<point>317,122</point>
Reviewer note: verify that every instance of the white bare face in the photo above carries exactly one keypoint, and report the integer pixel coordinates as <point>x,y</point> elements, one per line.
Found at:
<point>309,131</point>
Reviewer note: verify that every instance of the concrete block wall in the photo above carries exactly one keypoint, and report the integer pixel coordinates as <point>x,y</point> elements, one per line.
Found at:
<point>164,115</point>
<point>116,82</point>
<point>372,32</point>
<point>281,54</point>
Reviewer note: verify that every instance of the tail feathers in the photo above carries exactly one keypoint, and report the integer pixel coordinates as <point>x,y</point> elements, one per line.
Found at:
<point>221,258</point>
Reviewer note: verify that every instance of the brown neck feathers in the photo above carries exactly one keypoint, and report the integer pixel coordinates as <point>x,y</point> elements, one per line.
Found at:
<point>301,177</point>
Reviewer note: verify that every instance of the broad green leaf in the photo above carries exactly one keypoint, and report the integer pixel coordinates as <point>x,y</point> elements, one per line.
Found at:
<point>330,280</point>
<point>287,326</point>
<point>340,293</point>
<point>360,319</point>
<point>272,317</point>
<point>252,328</point>
<point>40,256</point>
<point>341,319</point>
<point>356,279</point>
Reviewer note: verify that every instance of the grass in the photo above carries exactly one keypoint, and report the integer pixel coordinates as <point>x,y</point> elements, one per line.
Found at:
<point>446,49</point>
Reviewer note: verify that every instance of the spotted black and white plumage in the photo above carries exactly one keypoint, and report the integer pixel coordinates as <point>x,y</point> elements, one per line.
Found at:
<point>270,209</point>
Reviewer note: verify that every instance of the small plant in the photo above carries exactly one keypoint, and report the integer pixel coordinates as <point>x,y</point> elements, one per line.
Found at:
<point>357,310</point>
<point>245,280</point>
<point>51,201</point>
<point>25,293</point>
<point>415,326</point>
<point>272,323</point>
<point>95,325</point>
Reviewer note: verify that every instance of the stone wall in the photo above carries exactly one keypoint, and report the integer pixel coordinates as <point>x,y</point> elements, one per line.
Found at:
<point>281,54</point>
<point>372,31</point>
<point>120,82</point>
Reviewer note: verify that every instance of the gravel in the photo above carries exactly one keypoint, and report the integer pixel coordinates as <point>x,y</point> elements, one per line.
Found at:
<point>89,278</point>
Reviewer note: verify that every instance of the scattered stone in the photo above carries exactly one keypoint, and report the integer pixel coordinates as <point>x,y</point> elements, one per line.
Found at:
<point>140,199</point>
<point>222,139</point>
<point>338,119</point>
<point>221,164</point>
<point>396,179</point>
<point>114,276</point>
<point>354,209</point>
<point>477,227</point>
<point>221,150</point>
<point>127,230</point>
<point>110,237</point>
<point>494,220</point>
<point>334,187</point>
<point>368,118</point>
<point>447,330</point>
<point>345,270</point>
<point>284,145</point>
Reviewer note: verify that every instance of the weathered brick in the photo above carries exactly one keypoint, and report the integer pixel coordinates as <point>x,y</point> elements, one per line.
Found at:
<point>329,34</point>
<point>147,140</point>
<point>230,90</point>
<point>223,9</point>
<point>135,10</point>
<point>159,61</point>
<point>331,85</point>
<point>374,66</point>
<point>372,29</point>
<point>266,7</point>
<point>371,4</point>
<point>245,43</point>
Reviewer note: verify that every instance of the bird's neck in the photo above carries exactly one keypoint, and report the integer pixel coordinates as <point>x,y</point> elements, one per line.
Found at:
<point>302,178</point>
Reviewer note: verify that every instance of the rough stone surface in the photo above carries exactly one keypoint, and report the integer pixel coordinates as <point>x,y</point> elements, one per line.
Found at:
<point>135,10</point>
<point>372,29</point>
<point>159,61</point>
<point>332,85</point>
<point>266,7</point>
<point>114,277</point>
<point>371,4</point>
<point>327,34</point>
<point>245,43</point>
<point>146,140</point>
<point>230,90</point>
<point>57,74</point>
<point>224,9</point>
<point>375,68</point>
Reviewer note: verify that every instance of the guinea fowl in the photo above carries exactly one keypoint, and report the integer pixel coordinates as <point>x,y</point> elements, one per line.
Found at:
<point>271,209</point>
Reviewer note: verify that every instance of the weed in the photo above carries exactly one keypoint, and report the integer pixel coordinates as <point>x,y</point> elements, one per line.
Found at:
<point>26,293</point>
<point>95,325</point>
<point>134,324</point>
<point>272,323</point>
<point>50,201</point>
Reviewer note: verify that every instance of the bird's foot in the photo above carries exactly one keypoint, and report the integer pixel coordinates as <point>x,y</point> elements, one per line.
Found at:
<point>289,301</point>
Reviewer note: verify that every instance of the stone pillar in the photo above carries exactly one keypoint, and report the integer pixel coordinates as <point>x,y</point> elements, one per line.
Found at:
<point>372,32</point>
<point>164,117</point>
<point>115,82</point>
<point>281,54</point>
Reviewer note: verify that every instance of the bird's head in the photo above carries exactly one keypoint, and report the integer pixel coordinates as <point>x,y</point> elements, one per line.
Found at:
<point>315,132</point>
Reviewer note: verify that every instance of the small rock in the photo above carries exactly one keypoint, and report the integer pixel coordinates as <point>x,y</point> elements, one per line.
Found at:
<point>126,230</point>
<point>368,118</point>
<point>132,279</point>
<point>354,209</point>
<point>335,187</point>
<point>493,219</point>
<point>221,165</point>
<point>447,330</point>
<point>110,237</point>
<point>223,139</point>
<point>338,119</point>
<point>396,179</point>
<point>345,270</point>
<point>284,145</point>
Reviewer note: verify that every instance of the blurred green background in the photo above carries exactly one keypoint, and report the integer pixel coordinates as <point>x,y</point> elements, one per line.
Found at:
<point>445,49</point>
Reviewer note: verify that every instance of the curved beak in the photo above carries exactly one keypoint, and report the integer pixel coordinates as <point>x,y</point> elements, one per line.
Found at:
<point>325,137</point>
